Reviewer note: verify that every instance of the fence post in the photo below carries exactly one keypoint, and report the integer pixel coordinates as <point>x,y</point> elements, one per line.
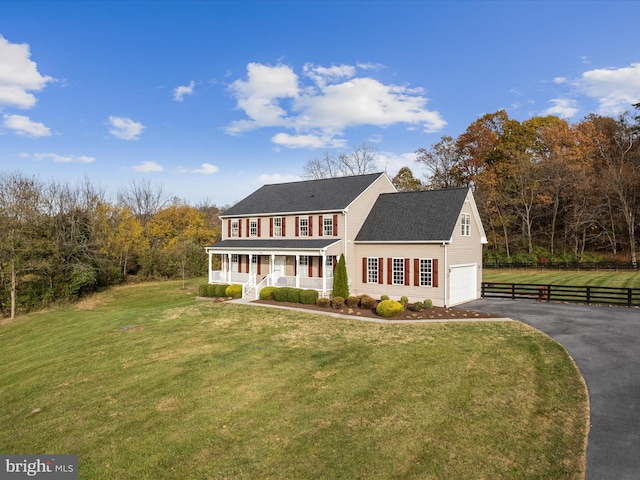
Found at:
<point>588,295</point>
<point>548,293</point>
<point>629,297</point>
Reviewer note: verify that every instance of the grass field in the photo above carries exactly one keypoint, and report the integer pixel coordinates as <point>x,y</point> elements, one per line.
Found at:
<point>622,279</point>
<point>143,382</point>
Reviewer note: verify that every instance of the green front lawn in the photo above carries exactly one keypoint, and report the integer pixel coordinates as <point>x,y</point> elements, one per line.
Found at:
<point>623,279</point>
<point>143,382</point>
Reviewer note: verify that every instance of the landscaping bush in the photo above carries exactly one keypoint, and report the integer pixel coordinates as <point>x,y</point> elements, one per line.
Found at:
<point>267,293</point>
<point>353,302</point>
<point>309,297</point>
<point>202,290</point>
<point>404,301</point>
<point>389,308</point>
<point>280,294</point>
<point>221,290</point>
<point>416,307</point>
<point>323,302</point>
<point>293,295</point>
<point>337,303</point>
<point>234,291</point>
<point>211,290</point>
<point>428,304</point>
<point>368,302</point>
<point>384,297</point>
<point>340,280</point>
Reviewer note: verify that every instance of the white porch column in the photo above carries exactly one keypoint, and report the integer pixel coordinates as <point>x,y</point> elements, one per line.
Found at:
<point>228,268</point>
<point>271,266</point>
<point>297,271</point>
<point>210,265</point>
<point>324,273</point>
<point>250,266</point>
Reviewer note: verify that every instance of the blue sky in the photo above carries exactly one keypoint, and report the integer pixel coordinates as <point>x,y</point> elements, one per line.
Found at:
<point>212,99</point>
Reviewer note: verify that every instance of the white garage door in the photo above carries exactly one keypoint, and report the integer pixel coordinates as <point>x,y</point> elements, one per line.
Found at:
<point>463,285</point>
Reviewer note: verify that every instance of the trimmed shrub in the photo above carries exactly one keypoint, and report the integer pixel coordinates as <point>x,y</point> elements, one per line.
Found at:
<point>404,301</point>
<point>293,295</point>
<point>309,297</point>
<point>416,307</point>
<point>211,290</point>
<point>389,308</point>
<point>323,302</point>
<point>267,293</point>
<point>353,302</point>
<point>428,304</point>
<point>280,294</point>
<point>234,291</point>
<point>384,297</point>
<point>202,290</point>
<point>340,280</point>
<point>368,302</point>
<point>337,302</point>
<point>221,289</point>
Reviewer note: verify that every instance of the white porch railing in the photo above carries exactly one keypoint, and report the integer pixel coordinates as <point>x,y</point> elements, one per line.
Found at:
<point>248,281</point>
<point>220,276</point>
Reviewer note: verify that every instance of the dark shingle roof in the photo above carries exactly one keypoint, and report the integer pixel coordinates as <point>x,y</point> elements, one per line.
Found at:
<point>428,216</point>
<point>279,244</point>
<point>328,194</point>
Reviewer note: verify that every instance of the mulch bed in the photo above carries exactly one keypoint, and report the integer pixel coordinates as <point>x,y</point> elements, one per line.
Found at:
<point>435,313</point>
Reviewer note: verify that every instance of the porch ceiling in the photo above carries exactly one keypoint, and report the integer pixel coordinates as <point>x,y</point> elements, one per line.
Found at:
<point>281,246</point>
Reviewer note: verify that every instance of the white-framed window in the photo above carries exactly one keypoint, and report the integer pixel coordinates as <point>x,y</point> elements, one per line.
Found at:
<point>253,227</point>
<point>234,262</point>
<point>327,224</point>
<point>465,224</point>
<point>254,259</point>
<point>398,271</point>
<point>277,226</point>
<point>372,270</point>
<point>426,272</point>
<point>328,267</point>
<point>235,228</point>
<point>303,226</point>
<point>304,266</point>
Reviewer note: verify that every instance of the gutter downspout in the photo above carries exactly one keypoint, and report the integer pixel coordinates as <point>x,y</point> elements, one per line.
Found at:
<point>446,275</point>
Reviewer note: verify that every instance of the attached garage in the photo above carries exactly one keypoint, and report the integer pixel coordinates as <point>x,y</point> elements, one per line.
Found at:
<point>463,283</point>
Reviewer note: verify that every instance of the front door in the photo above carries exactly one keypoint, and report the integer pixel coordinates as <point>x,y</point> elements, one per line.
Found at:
<point>279,270</point>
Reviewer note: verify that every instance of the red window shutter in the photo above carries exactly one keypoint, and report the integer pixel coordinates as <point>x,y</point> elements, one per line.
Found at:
<point>310,274</point>
<point>239,264</point>
<point>334,261</point>
<point>320,223</point>
<point>284,226</point>
<point>364,269</point>
<point>416,272</point>
<point>434,272</point>
<point>248,227</point>
<point>406,272</point>
<point>229,228</point>
<point>380,270</point>
<point>258,263</point>
<point>320,267</point>
<point>271,227</point>
<point>310,227</point>
<point>248,265</point>
<point>239,227</point>
<point>389,271</point>
<point>295,268</point>
<point>259,223</point>
<point>335,225</point>
<point>297,226</point>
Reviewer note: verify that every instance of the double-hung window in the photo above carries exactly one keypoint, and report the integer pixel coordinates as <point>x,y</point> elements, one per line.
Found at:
<point>426,272</point>
<point>372,269</point>
<point>303,226</point>
<point>235,229</point>
<point>398,271</point>
<point>465,224</point>
<point>327,223</point>
<point>253,227</point>
<point>277,226</point>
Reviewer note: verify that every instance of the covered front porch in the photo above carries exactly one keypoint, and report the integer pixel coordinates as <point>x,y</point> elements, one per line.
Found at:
<point>255,264</point>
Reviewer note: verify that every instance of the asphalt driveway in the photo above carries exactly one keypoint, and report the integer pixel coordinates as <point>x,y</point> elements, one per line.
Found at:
<point>605,344</point>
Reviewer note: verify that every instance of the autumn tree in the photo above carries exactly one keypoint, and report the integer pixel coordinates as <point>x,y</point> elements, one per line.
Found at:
<point>404,181</point>
<point>359,161</point>
<point>443,163</point>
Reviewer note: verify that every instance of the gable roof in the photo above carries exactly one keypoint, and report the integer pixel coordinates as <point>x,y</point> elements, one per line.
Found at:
<point>327,194</point>
<point>424,216</point>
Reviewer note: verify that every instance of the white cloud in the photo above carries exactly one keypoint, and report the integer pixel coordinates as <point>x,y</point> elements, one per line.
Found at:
<point>19,75</point>
<point>63,158</point>
<point>147,167</point>
<point>125,128</point>
<point>616,89</point>
<point>392,163</point>
<point>333,99</point>
<point>268,179</point>
<point>206,169</point>
<point>562,107</point>
<point>560,80</point>
<point>180,92</point>
<point>22,125</point>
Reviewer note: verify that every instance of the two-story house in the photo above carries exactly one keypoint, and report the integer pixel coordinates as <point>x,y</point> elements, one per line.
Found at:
<point>421,245</point>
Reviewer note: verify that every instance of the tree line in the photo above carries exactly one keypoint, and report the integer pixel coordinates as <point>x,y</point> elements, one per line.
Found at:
<point>60,241</point>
